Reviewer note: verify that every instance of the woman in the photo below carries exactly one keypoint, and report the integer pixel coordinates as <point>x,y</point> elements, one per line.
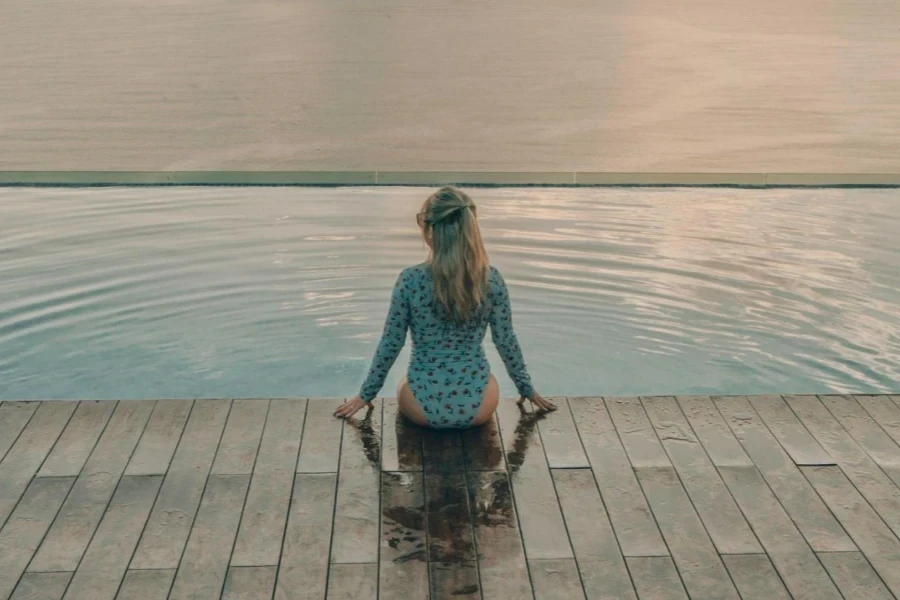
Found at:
<point>448,303</point>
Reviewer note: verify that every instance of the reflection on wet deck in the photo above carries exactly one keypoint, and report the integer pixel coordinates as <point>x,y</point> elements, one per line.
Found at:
<point>663,497</point>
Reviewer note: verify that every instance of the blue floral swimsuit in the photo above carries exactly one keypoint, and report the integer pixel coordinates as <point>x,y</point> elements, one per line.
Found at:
<point>448,371</point>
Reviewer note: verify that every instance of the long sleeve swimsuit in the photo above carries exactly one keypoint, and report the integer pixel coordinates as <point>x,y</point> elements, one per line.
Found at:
<point>448,371</point>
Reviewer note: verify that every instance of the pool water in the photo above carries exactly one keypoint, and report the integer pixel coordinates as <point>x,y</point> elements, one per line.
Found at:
<point>268,292</point>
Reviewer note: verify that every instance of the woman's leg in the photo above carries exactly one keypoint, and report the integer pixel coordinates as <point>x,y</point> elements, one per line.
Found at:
<point>406,403</point>
<point>489,403</point>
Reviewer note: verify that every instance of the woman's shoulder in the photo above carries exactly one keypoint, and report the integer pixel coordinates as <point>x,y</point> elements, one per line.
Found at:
<point>415,272</point>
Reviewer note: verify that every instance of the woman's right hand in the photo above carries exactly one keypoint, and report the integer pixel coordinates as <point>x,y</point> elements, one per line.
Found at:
<point>538,402</point>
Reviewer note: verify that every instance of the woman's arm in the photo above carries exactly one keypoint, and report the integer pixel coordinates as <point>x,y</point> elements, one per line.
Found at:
<point>392,340</point>
<point>505,337</point>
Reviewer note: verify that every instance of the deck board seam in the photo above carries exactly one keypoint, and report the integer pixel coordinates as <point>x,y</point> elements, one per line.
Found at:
<point>19,435</point>
<point>337,481</point>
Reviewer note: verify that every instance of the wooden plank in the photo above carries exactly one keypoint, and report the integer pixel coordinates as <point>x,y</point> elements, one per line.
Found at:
<point>205,562</point>
<point>161,435</point>
<point>878,489</point>
<point>401,441</point>
<point>101,570</point>
<point>321,448</point>
<point>723,519</point>
<point>800,570</point>
<point>790,432</point>
<point>755,577</point>
<point>450,536</point>
<point>885,412</point>
<point>796,495</point>
<point>27,525</point>
<point>146,585</point>
<point>876,541</point>
<point>249,583</point>
<point>77,440</point>
<point>454,580</point>
<point>83,510</point>
<point>304,558</point>
<point>262,526</point>
<point>353,582</point>
<point>483,448</point>
<point>170,522</point>
<point>29,451</point>
<point>540,518</point>
<point>14,416</point>
<point>240,440</point>
<point>356,522</point>
<point>636,432</point>
<point>628,511</point>
<point>442,451</point>
<point>43,586</point>
<point>501,556</point>
<point>403,568</point>
<point>560,439</point>
<point>854,576</point>
<point>863,428</point>
<point>713,433</point>
<point>600,562</point>
<point>655,578</point>
<point>556,579</point>
<point>701,569</point>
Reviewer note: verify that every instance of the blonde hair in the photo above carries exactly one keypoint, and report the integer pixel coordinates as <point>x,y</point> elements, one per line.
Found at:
<point>459,263</point>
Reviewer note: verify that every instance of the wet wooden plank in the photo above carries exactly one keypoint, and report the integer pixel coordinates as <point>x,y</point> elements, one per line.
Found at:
<point>864,430</point>
<point>170,522</point>
<point>718,441</point>
<point>442,451</point>
<point>14,416</point>
<point>454,580</point>
<point>713,502</point>
<point>403,568</point>
<point>800,570</point>
<point>106,559</point>
<point>701,569</point>
<point>29,451</point>
<point>77,440</point>
<point>43,586</point>
<point>304,559</point>
<point>450,536</point>
<point>161,435</point>
<point>205,562</point>
<point>353,582</point>
<point>876,541</point>
<point>262,526</point>
<point>796,495</point>
<point>23,532</point>
<point>501,556</point>
<point>556,579</point>
<point>249,583</point>
<point>655,578</point>
<point>628,511</point>
<point>401,441</point>
<point>321,448</point>
<point>483,448</point>
<point>356,522</point>
<point>240,440</point>
<point>146,585</point>
<point>560,439</point>
<point>600,562</point>
<point>83,510</point>
<point>881,492</point>
<point>636,432</point>
<point>854,576</point>
<point>540,517</point>
<point>755,577</point>
<point>790,432</point>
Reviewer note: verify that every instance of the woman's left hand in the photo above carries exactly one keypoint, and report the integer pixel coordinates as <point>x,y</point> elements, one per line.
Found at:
<point>350,407</point>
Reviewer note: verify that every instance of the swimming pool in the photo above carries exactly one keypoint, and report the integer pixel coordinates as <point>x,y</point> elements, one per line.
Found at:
<point>267,292</point>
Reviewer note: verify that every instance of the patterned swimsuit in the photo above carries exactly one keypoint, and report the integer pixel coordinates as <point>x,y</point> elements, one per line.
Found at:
<point>448,371</point>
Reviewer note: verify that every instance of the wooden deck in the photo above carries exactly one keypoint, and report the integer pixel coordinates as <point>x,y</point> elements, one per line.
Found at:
<point>663,498</point>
